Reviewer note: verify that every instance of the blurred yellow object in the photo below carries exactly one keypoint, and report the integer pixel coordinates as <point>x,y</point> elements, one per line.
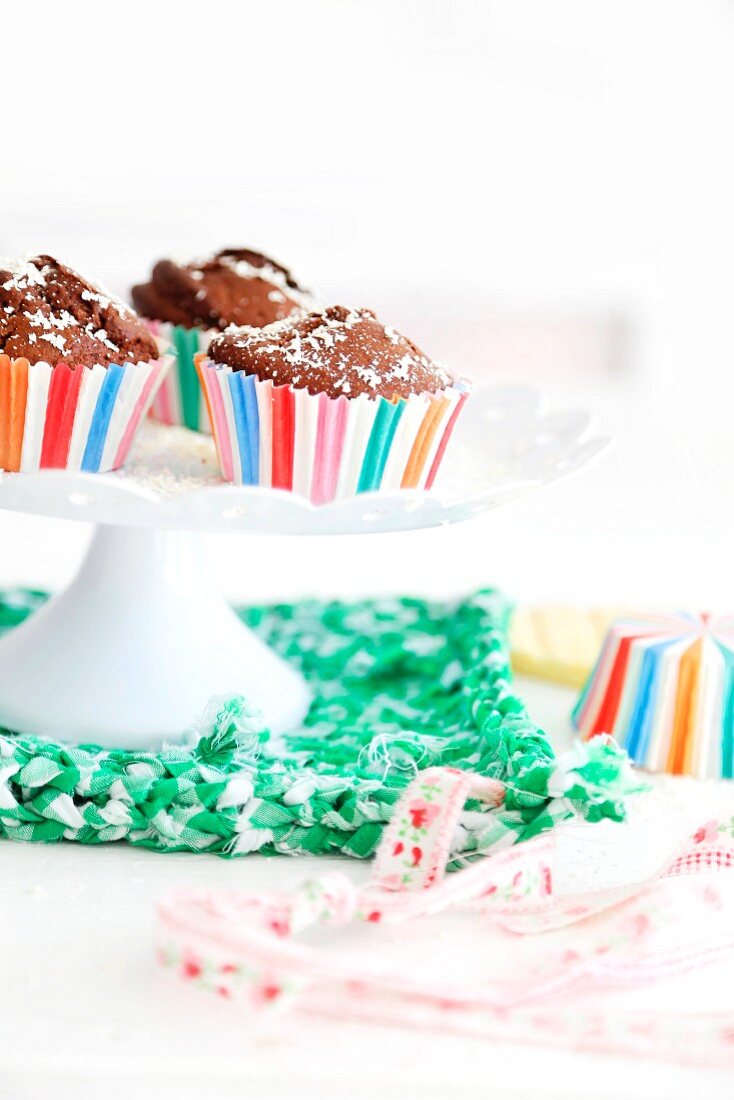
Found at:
<point>559,643</point>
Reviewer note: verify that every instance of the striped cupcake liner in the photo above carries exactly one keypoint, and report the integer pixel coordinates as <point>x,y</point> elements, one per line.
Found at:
<point>73,418</point>
<point>663,686</point>
<point>179,399</point>
<point>321,447</point>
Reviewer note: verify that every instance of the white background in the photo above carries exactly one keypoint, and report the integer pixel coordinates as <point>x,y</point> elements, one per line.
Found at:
<point>532,190</point>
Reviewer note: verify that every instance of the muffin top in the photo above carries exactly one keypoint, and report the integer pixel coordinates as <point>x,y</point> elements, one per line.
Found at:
<point>235,286</point>
<point>338,351</point>
<point>49,313</point>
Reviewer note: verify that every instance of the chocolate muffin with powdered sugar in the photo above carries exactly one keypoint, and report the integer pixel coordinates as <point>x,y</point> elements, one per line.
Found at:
<point>328,404</point>
<point>235,286</point>
<point>189,303</point>
<point>49,313</point>
<point>78,370</point>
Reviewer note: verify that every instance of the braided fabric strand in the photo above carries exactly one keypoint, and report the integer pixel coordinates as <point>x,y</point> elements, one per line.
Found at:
<point>399,685</point>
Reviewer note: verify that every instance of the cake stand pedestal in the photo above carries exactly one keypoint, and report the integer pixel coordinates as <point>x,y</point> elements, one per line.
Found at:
<point>135,646</point>
<point>130,653</point>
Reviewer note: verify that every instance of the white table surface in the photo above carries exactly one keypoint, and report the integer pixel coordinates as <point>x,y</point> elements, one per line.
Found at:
<point>87,1015</point>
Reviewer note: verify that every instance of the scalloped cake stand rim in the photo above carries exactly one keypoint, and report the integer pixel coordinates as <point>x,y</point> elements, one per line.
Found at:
<point>121,499</point>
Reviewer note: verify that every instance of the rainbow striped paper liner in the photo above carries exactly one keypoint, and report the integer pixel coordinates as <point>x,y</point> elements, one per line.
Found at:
<point>73,418</point>
<point>663,686</point>
<point>325,448</point>
<point>179,399</point>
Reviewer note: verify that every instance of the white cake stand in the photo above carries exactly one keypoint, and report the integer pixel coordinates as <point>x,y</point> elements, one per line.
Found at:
<point>133,649</point>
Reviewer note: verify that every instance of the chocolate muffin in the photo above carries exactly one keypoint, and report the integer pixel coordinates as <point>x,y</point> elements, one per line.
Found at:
<point>49,313</point>
<point>78,371</point>
<point>186,304</point>
<point>339,352</point>
<point>326,405</point>
<point>235,286</point>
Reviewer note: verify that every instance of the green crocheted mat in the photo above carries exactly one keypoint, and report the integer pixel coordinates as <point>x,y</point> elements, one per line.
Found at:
<point>399,684</point>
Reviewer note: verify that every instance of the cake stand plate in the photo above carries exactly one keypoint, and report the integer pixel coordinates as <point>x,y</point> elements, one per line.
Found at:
<point>130,653</point>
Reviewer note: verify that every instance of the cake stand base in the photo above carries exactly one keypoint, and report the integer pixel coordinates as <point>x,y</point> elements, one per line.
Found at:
<point>130,653</point>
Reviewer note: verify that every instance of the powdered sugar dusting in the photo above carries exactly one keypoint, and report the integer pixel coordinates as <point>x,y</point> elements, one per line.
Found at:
<point>23,274</point>
<point>340,350</point>
<point>54,338</point>
<point>286,285</point>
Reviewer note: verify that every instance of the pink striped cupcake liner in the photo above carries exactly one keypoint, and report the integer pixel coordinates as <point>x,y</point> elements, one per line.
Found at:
<point>73,418</point>
<point>325,448</point>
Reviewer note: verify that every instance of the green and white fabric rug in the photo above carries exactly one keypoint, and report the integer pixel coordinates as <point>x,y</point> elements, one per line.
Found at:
<point>399,685</point>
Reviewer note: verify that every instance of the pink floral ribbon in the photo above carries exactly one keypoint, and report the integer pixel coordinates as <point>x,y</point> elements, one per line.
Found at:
<point>247,947</point>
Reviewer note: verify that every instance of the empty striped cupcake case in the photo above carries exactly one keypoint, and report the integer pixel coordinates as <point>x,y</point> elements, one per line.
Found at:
<point>663,686</point>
